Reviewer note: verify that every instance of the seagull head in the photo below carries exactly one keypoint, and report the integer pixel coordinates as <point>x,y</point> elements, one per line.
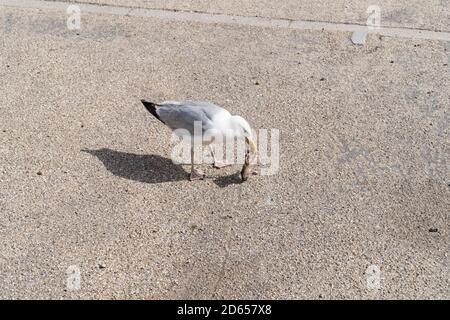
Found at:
<point>242,129</point>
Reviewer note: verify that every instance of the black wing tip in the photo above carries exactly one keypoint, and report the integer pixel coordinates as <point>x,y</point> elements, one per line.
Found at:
<point>151,107</point>
<point>145,102</point>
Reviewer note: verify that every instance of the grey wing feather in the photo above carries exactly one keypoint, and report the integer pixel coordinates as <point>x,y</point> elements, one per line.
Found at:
<point>182,115</point>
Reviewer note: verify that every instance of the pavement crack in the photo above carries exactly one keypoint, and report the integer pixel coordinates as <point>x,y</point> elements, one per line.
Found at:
<point>224,18</point>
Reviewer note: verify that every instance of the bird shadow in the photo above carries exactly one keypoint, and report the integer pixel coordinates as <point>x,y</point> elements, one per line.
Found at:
<point>225,181</point>
<point>142,168</point>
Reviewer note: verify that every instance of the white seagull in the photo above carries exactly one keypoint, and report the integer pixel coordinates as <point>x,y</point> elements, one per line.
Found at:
<point>214,120</point>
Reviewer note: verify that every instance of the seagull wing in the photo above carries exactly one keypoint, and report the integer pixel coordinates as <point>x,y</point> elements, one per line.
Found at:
<point>183,115</point>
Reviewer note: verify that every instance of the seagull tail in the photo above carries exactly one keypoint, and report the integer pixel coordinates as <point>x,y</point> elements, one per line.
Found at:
<point>151,107</point>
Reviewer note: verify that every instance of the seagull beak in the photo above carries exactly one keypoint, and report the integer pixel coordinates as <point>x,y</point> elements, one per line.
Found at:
<point>251,144</point>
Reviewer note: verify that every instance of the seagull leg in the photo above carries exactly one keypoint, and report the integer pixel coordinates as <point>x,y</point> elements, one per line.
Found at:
<point>218,164</point>
<point>195,174</point>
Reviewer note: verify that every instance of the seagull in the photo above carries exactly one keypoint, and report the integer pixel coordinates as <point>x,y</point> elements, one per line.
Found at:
<point>214,120</point>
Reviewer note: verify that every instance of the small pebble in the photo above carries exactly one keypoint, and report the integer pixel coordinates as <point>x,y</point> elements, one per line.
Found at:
<point>102,266</point>
<point>433,230</point>
<point>359,37</point>
<point>39,173</point>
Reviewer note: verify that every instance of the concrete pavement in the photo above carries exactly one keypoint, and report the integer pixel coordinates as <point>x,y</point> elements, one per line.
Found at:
<point>432,14</point>
<point>87,183</point>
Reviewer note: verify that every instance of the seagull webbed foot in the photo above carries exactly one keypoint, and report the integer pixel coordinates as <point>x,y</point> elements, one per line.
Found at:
<point>221,164</point>
<point>196,175</point>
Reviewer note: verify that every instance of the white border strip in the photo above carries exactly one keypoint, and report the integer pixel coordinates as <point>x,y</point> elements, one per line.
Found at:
<point>227,19</point>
